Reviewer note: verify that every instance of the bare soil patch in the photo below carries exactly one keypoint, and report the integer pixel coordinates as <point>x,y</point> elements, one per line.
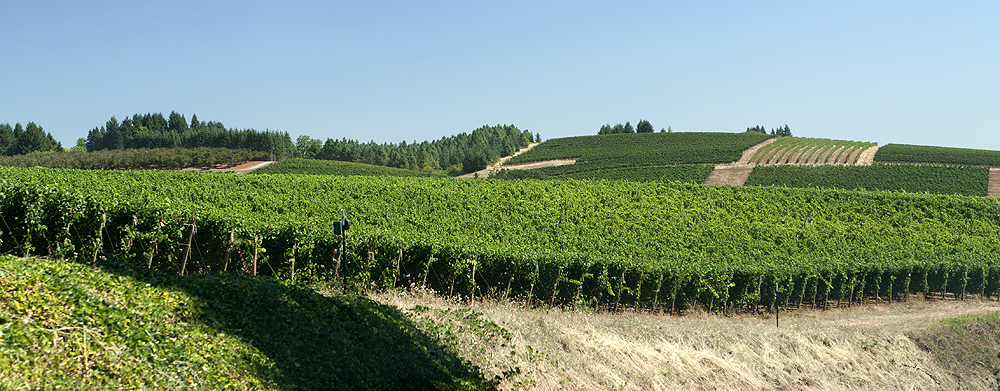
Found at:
<point>994,187</point>
<point>729,174</point>
<point>867,157</point>
<point>241,168</point>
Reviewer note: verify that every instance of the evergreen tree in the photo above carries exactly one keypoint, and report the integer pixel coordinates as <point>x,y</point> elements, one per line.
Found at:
<point>628,128</point>
<point>177,122</point>
<point>606,129</point>
<point>644,127</point>
<point>6,137</point>
<point>195,125</point>
<point>618,129</point>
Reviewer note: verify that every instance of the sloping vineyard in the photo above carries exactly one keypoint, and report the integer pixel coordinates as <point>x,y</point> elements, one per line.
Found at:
<point>972,181</point>
<point>644,149</point>
<point>333,167</point>
<point>690,173</point>
<point>902,153</point>
<point>608,243</point>
<point>809,151</point>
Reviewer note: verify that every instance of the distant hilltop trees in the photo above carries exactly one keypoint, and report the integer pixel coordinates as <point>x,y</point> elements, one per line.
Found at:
<point>156,131</point>
<point>462,153</point>
<point>22,140</point>
<point>642,127</point>
<point>779,131</point>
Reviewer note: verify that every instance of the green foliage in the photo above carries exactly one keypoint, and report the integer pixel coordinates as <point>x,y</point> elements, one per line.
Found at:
<point>154,131</point>
<point>69,326</point>
<point>971,181</point>
<point>902,153</point>
<point>466,152</point>
<point>20,140</point>
<point>644,127</point>
<point>327,167</point>
<point>642,244</point>
<point>156,158</point>
<point>647,149</point>
<point>692,173</point>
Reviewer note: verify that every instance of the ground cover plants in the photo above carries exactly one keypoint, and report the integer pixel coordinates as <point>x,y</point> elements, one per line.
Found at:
<point>659,245</point>
<point>65,325</point>
<point>902,153</point>
<point>971,181</point>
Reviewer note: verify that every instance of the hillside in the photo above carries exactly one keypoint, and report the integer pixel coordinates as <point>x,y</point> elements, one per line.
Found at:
<point>337,168</point>
<point>65,325</point>
<point>781,161</point>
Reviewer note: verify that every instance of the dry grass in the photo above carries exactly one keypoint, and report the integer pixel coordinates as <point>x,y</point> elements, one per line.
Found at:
<point>863,348</point>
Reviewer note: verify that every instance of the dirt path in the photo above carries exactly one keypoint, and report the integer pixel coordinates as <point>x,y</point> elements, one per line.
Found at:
<point>485,173</point>
<point>994,187</point>
<point>736,174</point>
<point>241,168</point>
<point>867,156</point>
<point>748,154</point>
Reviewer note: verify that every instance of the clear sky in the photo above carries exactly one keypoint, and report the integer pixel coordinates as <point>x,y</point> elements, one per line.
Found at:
<point>913,72</point>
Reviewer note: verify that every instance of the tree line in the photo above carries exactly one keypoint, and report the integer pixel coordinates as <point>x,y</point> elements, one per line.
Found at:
<point>153,130</point>
<point>462,153</point>
<point>779,131</point>
<point>642,127</point>
<point>22,140</point>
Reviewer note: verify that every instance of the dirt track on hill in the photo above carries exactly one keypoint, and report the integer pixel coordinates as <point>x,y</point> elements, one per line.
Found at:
<point>994,187</point>
<point>241,168</point>
<point>867,156</point>
<point>486,172</point>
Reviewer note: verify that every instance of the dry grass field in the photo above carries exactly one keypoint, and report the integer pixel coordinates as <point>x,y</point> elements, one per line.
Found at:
<point>878,347</point>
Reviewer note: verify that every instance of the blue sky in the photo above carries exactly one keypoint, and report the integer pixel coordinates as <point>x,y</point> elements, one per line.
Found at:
<point>912,72</point>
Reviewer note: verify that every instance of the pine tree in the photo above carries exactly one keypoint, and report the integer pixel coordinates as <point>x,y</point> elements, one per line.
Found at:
<point>644,127</point>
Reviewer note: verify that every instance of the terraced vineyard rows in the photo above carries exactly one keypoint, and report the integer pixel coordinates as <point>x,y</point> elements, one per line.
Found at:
<point>809,151</point>
<point>612,243</point>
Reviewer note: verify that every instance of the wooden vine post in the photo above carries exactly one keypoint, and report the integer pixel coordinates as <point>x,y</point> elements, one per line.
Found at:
<point>256,248</point>
<point>229,249</point>
<point>399,260</point>
<point>100,238</point>
<point>472,295</point>
<point>187,247</point>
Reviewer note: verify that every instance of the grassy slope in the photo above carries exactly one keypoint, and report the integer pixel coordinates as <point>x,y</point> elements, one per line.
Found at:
<point>70,326</point>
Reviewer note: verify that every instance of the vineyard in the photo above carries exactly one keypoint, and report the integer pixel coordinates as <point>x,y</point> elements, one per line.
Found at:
<point>152,158</point>
<point>657,245</point>
<point>645,149</point>
<point>809,151</point>
<point>333,167</point>
<point>972,181</point>
<point>902,153</point>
